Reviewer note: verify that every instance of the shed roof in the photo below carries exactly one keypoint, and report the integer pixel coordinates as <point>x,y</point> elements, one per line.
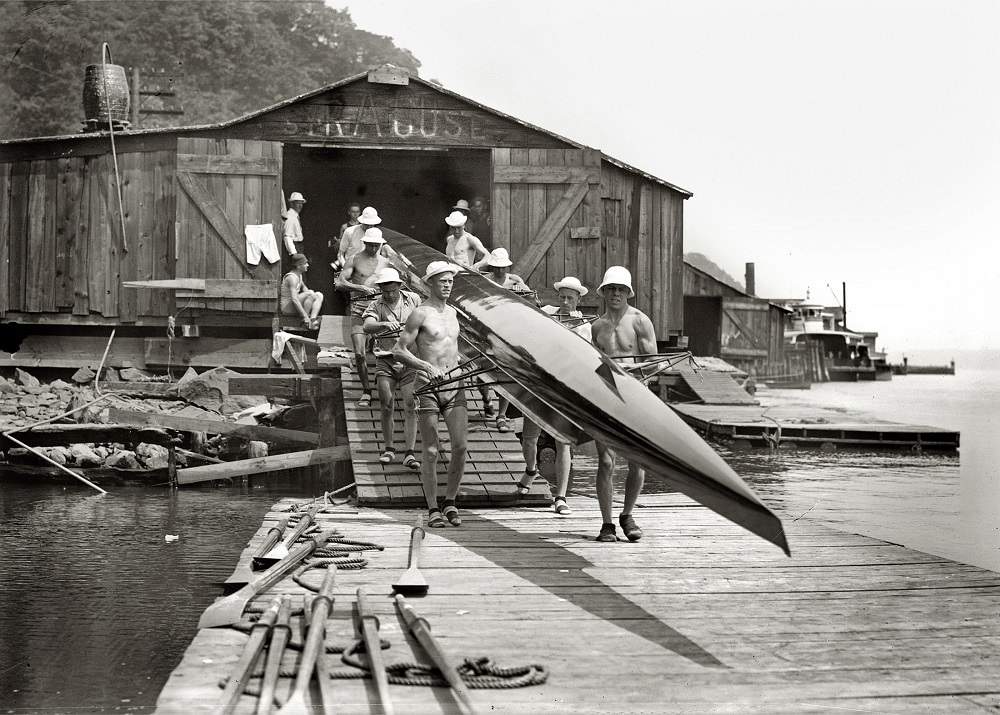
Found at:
<point>193,129</point>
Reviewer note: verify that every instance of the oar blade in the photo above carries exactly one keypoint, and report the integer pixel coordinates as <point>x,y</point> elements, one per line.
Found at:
<point>412,582</point>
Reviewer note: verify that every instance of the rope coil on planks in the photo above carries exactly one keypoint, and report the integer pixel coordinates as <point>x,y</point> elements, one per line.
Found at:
<point>478,673</point>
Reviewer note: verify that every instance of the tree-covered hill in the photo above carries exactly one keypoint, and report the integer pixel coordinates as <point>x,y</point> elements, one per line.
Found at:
<point>223,58</point>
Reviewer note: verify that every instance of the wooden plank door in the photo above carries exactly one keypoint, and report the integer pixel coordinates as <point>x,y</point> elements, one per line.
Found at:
<point>547,212</point>
<point>224,185</point>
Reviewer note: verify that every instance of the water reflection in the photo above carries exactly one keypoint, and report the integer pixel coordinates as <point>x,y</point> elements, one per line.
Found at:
<point>96,608</point>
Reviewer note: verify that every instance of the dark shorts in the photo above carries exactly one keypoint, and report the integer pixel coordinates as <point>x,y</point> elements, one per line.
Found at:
<point>389,367</point>
<point>439,401</point>
<point>357,325</point>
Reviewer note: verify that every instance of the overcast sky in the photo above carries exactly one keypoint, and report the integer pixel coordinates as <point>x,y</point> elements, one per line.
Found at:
<point>826,142</point>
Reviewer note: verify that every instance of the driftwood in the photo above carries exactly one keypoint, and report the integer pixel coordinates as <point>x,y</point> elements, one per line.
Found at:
<point>260,465</point>
<point>52,435</point>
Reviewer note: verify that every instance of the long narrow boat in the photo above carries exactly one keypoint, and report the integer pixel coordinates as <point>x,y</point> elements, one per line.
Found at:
<point>581,384</point>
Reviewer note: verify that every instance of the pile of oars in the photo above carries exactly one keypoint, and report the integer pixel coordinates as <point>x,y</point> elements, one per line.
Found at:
<point>272,632</point>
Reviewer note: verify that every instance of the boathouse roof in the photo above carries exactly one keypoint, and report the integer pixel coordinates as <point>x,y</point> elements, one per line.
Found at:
<point>214,127</point>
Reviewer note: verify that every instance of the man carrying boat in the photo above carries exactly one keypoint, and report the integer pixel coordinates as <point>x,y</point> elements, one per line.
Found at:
<point>429,343</point>
<point>358,277</point>
<point>384,319</point>
<point>571,290</point>
<point>498,262</point>
<point>622,333</point>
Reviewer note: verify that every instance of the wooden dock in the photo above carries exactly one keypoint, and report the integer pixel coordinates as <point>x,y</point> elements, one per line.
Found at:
<point>785,426</point>
<point>697,617</point>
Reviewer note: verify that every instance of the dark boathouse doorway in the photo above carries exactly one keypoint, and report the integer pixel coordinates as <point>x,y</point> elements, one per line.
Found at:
<point>413,191</point>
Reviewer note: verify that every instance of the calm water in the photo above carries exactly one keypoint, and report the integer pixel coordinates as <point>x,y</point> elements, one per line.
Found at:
<point>96,608</point>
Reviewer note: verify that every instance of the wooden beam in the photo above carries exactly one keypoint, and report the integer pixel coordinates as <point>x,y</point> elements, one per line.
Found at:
<point>294,386</point>
<point>261,465</point>
<point>207,352</point>
<point>64,434</point>
<point>227,164</point>
<point>514,174</point>
<point>216,216</point>
<point>547,234</point>
<point>211,287</point>
<point>194,424</point>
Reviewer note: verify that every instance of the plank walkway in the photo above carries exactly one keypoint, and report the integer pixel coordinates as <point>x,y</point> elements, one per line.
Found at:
<point>697,617</point>
<point>494,461</point>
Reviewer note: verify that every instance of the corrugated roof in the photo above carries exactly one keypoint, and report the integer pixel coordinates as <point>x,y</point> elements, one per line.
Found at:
<point>347,80</point>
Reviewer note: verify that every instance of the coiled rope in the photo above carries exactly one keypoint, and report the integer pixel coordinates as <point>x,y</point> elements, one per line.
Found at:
<point>480,672</point>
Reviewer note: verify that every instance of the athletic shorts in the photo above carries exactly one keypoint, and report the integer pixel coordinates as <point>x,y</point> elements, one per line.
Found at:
<point>440,401</point>
<point>395,370</point>
<point>357,325</point>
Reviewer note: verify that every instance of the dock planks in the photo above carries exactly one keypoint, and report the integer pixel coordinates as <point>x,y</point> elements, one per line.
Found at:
<point>699,616</point>
<point>494,462</point>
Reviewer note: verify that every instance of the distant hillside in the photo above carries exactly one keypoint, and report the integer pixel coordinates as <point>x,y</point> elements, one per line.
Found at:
<point>703,263</point>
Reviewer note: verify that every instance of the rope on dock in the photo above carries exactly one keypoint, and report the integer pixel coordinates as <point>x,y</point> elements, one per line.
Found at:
<point>479,673</point>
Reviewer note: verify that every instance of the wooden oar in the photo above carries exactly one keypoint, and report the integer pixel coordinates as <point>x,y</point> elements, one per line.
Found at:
<point>228,610</point>
<point>280,551</point>
<point>270,541</point>
<point>367,623</point>
<point>421,630</point>
<point>244,667</point>
<point>412,582</point>
<point>315,640</point>
<point>281,632</point>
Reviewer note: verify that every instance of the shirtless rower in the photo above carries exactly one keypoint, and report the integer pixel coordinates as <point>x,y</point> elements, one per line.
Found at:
<point>429,343</point>
<point>359,278</point>
<point>623,332</point>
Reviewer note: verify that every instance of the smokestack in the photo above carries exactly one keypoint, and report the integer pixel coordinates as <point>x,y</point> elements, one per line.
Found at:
<point>750,281</point>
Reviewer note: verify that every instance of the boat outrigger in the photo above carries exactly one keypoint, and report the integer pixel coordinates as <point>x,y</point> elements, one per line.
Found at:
<point>569,386</point>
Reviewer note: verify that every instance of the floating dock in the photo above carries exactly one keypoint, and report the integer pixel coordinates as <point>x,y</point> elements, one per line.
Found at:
<point>793,426</point>
<point>697,617</point>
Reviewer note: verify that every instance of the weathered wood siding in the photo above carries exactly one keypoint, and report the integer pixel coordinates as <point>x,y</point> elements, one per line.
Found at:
<point>643,229</point>
<point>224,185</point>
<point>544,202</point>
<point>61,233</point>
<point>365,114</point>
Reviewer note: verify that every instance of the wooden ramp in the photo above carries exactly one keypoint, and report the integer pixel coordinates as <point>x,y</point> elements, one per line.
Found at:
<point>493,466</point>
<point>713,387</point>
<point>697,617</point>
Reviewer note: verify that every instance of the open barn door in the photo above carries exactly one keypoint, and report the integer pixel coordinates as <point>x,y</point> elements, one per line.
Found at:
<point>546,212</point>
<point>225,185</point>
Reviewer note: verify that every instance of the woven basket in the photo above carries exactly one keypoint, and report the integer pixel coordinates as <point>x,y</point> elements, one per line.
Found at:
<point>112,105</point>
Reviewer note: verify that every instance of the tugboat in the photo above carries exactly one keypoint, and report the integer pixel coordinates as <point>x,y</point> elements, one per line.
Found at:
<point>850,356</point>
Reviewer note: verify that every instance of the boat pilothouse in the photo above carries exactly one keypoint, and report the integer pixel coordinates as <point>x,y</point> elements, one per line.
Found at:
<point>850,356</point>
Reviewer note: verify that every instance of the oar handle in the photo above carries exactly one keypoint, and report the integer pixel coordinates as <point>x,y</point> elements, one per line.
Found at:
<point>272,538</point>
<point>305,522</point>
<point>412,618</point>
<point>277,572</point>
<point>326,590</point>
<point>416,539</point>
<point>365,609</point>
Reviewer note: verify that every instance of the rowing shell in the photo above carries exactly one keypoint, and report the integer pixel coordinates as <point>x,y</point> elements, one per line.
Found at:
<point>569,376</point>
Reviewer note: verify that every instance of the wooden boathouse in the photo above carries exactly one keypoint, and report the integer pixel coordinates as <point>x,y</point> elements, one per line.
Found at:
<point>81,216</point>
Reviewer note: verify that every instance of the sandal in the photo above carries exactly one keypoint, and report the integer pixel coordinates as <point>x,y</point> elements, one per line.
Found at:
<point>435,519</point>
<point>451,514</point>
<point>522,488</point>
<point>502,425</point>
<point>387,456</point>
<point>365,401</point>
<point>411,461</point>
<point>561,507</point>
